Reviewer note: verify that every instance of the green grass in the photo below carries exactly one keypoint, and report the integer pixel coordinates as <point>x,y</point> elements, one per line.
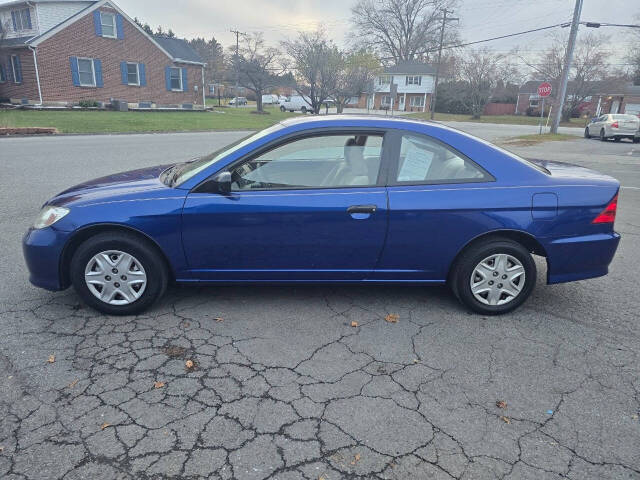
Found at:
<point>527,140</point>
<point>503,119</point>
<point>114,122</point>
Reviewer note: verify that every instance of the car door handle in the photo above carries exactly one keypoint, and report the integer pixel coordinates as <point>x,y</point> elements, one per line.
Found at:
<point>362,209</point>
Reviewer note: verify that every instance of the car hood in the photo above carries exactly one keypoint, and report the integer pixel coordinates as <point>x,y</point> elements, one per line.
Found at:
<point>120,185</point>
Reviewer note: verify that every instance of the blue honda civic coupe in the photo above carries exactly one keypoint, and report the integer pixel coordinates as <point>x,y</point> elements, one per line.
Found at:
<point>330,199</point>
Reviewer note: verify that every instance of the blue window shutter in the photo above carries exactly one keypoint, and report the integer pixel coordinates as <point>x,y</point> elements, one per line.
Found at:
<point>143,75</point>
<point>18,70</point>
<point>75,76</point>
<point>123,72</point>
<point>97,67</point>
<point>9,70</point>
<point>119,26</point>
<point>29,18</point>
<point>3,77</point>
<point>13,19</point>
<point>97,22</point>
<point>185,87</point>
<point>167,77</point>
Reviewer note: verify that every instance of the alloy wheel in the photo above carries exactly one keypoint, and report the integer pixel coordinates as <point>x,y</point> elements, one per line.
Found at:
<point>115,277</point>
<point>498,279</point>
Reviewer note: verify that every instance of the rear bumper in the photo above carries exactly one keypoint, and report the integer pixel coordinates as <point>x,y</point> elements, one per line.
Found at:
<point>42,250</point>
<point>578,258</point>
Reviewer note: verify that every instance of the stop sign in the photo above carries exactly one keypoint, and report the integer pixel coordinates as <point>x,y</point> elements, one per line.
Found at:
<point>544,89</point>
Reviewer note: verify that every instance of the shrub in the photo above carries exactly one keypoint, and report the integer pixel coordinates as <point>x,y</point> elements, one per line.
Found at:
<point>89,103</point>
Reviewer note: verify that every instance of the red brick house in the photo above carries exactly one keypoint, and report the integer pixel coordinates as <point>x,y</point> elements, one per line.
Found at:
<point>60,52</point>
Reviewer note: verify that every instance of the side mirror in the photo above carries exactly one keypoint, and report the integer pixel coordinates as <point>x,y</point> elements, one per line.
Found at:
<point>221,184</point>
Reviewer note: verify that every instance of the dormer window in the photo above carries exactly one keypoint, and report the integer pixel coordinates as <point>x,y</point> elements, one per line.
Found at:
<point>413,80</point>
<point>108,22</point>
<point>384,80</point>
<point>21,19</point>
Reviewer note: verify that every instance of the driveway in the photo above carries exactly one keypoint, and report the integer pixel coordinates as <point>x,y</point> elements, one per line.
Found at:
<point>283,386</point>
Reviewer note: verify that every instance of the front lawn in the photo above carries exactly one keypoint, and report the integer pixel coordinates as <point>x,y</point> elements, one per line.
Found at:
<point>503,119</point>
<point>115,122</point>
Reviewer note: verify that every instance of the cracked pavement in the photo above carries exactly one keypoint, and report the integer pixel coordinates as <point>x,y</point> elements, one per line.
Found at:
<point>283,386</point>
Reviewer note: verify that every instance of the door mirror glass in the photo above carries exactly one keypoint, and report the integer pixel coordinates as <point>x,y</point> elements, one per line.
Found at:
<point>221,183</point>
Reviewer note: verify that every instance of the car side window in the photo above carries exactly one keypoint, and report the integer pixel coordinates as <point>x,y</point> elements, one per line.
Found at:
<point>322,161</point>
<point>424,160</point>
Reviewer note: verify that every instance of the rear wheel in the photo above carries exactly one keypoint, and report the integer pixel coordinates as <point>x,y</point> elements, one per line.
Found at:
<point>636,140</point>
<point>494,277</point>
<point>303,109</point>
<point>616,139</point>
<point>602,137</point>
<point>118,274</point>
<point>282,109</point>
<point>586,133</point>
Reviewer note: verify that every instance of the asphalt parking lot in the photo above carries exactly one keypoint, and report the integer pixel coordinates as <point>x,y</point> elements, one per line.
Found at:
<point>284,387</point>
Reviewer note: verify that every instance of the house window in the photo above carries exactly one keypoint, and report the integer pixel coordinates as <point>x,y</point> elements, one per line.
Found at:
<point>416,101</point>
<point>384,79</point>
<point>86,72</point>
<point>21,19</point>
<point>413,80</point>
<point>534,103</point>
<point>16,67</point>
<point>386,100</point>
<point>3,75</point>
<point>108,22</point>
<point>133,74</point>
<point>176,79</point>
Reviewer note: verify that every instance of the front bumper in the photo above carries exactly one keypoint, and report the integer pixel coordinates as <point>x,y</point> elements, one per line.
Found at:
<point>578,258</point>
<point>42,250</point>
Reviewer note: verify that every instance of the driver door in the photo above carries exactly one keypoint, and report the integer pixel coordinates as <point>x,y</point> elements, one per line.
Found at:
<point>310,208</point>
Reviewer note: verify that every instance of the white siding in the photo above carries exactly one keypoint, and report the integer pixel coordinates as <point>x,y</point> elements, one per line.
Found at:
<point>400,80</point>
<point>51,14</point>
<point>7,23</point>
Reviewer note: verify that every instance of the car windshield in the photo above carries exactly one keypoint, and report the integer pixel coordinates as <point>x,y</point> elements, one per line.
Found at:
<point>188,170</point>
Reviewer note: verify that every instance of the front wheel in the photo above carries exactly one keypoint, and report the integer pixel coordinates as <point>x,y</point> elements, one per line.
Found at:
<point>118,273</point>
<point>636,140</point>
<point>586,133</point>
<point>602,136</point>
<point>303,109</point>
<point>494,277</point>
<point>282,109</point>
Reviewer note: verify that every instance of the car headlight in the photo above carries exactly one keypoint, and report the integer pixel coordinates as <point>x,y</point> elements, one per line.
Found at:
<point>48,216</point>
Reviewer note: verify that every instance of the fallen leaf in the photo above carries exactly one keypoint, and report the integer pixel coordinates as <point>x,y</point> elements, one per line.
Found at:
<point>186,324</point>
<point>506,420</point>
<point>415,360</point>
<point>104,425</point>
<point>356,459</point>
<point>189,364</point>
<point>392,318</point>
<point>52,358</point>
<point>1,449</point>
<point>219,319</point>
<point>501,404</point>
<point>354,324</point>
<point>73,384</point>
<point>158,385</point>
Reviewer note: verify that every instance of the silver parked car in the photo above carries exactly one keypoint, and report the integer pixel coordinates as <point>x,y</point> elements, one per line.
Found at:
<point>614,126</point>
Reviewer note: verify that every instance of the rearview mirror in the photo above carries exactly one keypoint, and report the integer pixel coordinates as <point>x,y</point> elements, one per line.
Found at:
<point>221,184</point>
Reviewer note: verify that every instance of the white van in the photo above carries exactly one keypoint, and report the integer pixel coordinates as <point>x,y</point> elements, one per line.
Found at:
<point>269,99</point>
<point>296,103</point>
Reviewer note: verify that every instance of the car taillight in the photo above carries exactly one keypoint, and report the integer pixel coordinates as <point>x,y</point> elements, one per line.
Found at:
<point>615,125</point>
<point>608,215</point>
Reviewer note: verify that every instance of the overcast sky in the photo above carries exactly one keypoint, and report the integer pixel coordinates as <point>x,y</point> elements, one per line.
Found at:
<point>281,19</point>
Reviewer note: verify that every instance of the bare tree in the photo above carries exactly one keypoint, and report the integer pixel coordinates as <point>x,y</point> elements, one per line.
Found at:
<point>257,66</point>
<point>356,76</point>
<point>401,30</point>
<point>633,56</point>
<point>317,63</point>
<point>480,70</point>
<point>212,54</point>
<point>589,73</point>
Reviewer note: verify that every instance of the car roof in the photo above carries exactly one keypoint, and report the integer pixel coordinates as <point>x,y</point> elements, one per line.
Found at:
<point>380,121</point>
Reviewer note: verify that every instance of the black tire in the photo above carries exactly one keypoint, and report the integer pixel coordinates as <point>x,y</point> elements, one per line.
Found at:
<point>282,109</point>
<point>602,137</point>
<point>460,279</point>
<point>616,139</point>
<point>586,133</point>
<point>303,109</point>
<point>636,140</point>
<point>152,262</point>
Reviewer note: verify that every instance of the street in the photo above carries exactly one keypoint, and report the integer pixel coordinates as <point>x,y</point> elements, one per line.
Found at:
<point>284,387</point>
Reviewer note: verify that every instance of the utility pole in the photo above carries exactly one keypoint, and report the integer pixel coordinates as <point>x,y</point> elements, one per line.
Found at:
<point>237,33</point>
<point>566,69</point>
<point>435,85</point>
